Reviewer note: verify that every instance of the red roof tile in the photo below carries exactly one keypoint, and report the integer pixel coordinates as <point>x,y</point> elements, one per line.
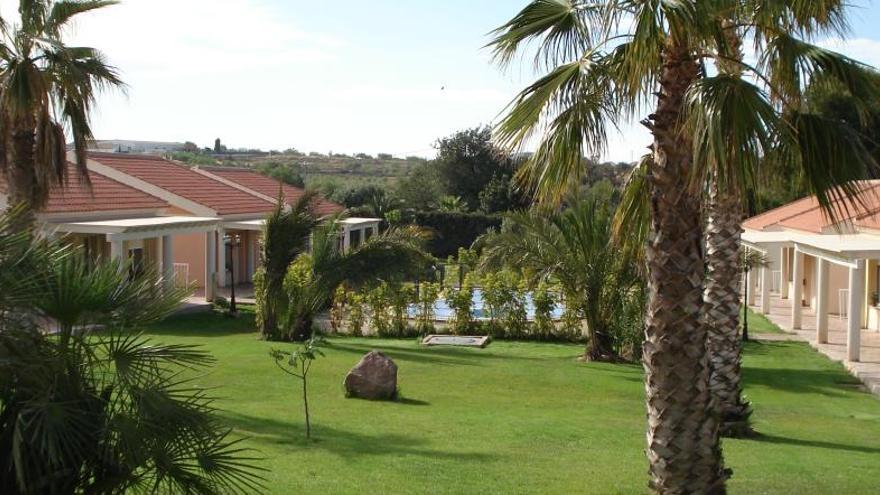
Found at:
<point>184,182</point>
<point>268,186</point>
<point>805,214</point>
<point>104,195</point>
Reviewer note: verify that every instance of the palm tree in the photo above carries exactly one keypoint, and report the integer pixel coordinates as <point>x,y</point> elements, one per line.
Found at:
<point>575,249</point>
<point>285,236</point>
<point>99,408</point>
<point>604,62</point>
<point>303,264</point>
<point>47,91</point>
<point>313,278</point>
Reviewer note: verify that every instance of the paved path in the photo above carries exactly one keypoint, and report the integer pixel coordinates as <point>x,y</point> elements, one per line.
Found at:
<point>867,369</point>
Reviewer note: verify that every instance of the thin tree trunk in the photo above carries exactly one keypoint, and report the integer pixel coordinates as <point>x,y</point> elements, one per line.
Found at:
<point>306,405</point>
<point>722,306</point>
<point>682,439</point>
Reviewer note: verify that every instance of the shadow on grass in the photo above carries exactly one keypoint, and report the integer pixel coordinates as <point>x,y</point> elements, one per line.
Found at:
<point>428,355</point>
<point>204,324</point>
<point>344,443</point>
<point>832,383</point>
<point>763,438</point>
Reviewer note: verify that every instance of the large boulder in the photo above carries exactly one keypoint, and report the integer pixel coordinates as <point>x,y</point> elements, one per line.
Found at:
<point>374,377</point>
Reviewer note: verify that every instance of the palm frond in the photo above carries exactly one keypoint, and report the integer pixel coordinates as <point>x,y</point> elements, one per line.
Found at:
<point>63,11</point>
<point>732,124</point>
<point>563,30</point>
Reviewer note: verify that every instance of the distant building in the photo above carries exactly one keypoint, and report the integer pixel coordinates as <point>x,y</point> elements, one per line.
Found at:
<point>133,146</point>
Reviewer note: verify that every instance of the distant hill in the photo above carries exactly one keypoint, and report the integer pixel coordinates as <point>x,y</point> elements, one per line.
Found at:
<point>315,168</point>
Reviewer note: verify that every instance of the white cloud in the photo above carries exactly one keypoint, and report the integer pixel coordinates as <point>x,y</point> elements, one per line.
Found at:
<point>862,49</point>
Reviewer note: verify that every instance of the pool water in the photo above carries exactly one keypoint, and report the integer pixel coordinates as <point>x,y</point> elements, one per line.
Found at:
<point>443,312</point>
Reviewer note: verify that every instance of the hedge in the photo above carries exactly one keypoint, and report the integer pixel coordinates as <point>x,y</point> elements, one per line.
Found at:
<point>453,230</point>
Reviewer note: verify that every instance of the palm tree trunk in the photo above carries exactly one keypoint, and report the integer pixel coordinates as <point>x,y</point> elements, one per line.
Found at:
<point>21,177</point>
<point>722,311</point>
<point>683,443</point>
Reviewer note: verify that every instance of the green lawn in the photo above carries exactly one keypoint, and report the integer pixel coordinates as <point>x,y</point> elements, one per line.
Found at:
<point>522,418</point>
<point>759,323</point>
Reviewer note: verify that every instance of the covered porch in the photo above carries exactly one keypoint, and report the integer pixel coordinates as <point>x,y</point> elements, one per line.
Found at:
<point>148,241</point>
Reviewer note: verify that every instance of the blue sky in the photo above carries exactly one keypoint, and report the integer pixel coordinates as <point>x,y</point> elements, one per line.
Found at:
<point>347,76</point>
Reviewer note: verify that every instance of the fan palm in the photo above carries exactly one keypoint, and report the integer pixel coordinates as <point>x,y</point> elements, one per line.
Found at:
<point>605,61</point>
<point>314,277</point>
<point>100,411</point>
<point>285,236</point>
<point>47,91</point>
<point>574,248</point>
<point>293,285</point>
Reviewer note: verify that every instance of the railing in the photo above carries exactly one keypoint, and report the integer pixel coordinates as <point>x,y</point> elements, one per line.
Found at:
<point>843,300</point>
<point>181,274</point>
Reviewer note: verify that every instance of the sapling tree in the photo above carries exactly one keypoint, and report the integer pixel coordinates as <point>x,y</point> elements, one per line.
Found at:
<point>298,363</point>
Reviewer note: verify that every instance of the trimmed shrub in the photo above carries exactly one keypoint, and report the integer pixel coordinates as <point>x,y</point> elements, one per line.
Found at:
<point>454,230</point>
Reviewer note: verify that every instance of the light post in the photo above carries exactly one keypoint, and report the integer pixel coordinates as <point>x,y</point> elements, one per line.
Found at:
<point>233,240</point>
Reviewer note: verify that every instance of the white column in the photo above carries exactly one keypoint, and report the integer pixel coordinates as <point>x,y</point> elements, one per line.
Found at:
<point>346,239</point>
<point>783,283</point>
<point>251,251</point>
<point>221,258</point>
<point>210,263</point>
<point>797,289</point>
<point>116,251</point>
<point>168,260</point>
<point>766,282</point>
<point>854,312</point>
<point>822,302</point>
<point>750,281</point>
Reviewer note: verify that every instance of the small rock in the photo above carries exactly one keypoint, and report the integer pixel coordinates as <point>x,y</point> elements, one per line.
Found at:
<point>373,377</point>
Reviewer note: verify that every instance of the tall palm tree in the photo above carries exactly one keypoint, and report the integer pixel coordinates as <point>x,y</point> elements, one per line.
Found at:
<point>604,61</point>
<point>575,248</point>
<point>47,91</point>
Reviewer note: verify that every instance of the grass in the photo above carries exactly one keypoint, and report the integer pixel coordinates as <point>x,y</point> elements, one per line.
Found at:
<point>522,418</point>
<point>759,323</point>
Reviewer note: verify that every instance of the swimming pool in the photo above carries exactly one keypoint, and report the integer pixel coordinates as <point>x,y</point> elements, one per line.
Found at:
<point>443,312</point>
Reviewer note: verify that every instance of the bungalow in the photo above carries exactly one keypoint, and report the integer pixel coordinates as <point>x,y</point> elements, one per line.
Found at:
<point>822,265</point>
<point>188,221</point>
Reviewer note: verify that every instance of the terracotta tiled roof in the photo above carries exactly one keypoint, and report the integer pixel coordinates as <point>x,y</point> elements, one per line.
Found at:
<point>268,186</point>
<point>184,182</point>
<point>104,195</point>
<point>805,214</point>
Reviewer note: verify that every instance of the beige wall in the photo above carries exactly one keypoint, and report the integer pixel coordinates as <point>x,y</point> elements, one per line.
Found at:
<point>190,249</point>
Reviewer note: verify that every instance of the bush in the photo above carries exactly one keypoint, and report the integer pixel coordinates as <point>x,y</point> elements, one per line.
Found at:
<point>544,303</point>
<point>355,314</point>
<point>378,302</point>
<point>461,301</point>
<point>428,294</point>
<point>454,230</point>
<point>220,303</point>
<point>400,296</point>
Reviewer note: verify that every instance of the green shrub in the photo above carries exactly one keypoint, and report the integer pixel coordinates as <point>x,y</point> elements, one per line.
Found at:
<point>454,230</point>
<point>461,302</point>
<point>337,309</point>
<point>378,302</point>
<point>355,313</point>
<point>544,302</point>
<point>515,314</point>
<point>428,294</point>
<point>401,296</point>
